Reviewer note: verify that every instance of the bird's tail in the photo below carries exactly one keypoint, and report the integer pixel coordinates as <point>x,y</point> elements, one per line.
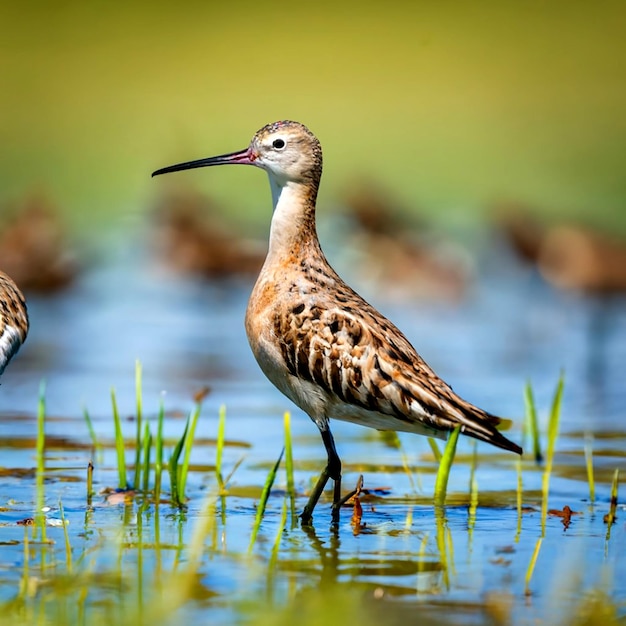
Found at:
<point>487,427</point>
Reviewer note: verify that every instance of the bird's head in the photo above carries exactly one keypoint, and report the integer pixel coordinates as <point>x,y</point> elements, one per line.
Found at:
<point>287,151</point>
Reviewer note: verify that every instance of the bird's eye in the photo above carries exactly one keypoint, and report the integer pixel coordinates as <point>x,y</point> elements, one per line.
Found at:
<point>279,144</point>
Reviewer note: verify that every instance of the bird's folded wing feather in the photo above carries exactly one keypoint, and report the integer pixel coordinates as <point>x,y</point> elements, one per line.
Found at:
<point>366,361</point>
<point>360,358</point>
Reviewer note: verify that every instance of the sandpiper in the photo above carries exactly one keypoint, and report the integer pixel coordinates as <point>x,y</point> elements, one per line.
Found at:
<point>13,320</point>
<point>316,339</point>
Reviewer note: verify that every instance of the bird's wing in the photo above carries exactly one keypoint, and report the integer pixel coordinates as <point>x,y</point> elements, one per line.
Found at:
<point>359,357</point>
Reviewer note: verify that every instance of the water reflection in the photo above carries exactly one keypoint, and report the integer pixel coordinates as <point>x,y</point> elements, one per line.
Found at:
<point>394,573</point>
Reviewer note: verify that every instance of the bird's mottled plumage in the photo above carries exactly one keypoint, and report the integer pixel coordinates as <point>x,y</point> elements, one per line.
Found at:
<point>13,320</point>
<point>316,339</point>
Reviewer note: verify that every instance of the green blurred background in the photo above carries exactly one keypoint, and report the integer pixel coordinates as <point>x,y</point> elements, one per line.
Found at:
<point>452,105</point>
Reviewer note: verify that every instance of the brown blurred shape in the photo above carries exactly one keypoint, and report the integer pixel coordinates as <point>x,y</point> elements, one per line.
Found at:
<point>396,258</point>
<point>375,211</point>
<point>34,248</point>
<point>568,256</point>
<point>521,230</point>
<point>573,257</point>
<point>190,238</point>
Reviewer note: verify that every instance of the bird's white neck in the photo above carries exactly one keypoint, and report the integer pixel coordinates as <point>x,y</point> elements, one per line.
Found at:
<point>277,189</point>
<point>293,220</point>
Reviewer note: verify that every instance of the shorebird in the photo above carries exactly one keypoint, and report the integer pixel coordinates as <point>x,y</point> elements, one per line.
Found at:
<point>316,339</point>
<point>34,249</point>
<point>13,320</point>
<point>190,240</point>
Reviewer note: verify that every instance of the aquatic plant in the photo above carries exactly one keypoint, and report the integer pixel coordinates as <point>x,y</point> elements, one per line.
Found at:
<point>531,566</point>
<point>138,421</point>
<point>589,466</point>
<point>40,521</point>
<point>553,431</point>
<point>291,489</point>
<point>219,448</point>
<point>532,423</point>
<point>178,473</point>
<point>158,452</point>
<point>130,573</point>
<point>445,464</point>
<point>119,444</point>
<point>265,494</point>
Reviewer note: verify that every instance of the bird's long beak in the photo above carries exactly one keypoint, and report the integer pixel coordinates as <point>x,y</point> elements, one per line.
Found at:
<point>243,157</point>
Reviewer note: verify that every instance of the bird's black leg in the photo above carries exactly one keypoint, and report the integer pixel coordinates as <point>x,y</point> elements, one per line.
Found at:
<point>332,470</point>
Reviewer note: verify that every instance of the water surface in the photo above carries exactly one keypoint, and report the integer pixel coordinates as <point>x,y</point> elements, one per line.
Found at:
<point>508,328</point>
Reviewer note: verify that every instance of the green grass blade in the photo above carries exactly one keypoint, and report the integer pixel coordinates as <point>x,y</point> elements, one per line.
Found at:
<point>265,494</point>
<point>555,415</point>
<point>92,433</point>
<point>147,446</point>
<point>219,448</point>
<point>589,464</point>
<point>158,453</point>
<point>172,467</point>
<point>532,421</point>
<point>192,421</point>
<point>138,447</point>
<point>119,443</point>
<point>291,489</point>
<point>553,431</point>
<point>443,473</point>
<point>531,567</point>
<point>40,518</point>
<point>435,449</point>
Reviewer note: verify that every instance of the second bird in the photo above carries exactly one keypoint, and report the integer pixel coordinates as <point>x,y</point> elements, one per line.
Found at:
<point>316,339</point>
<point>13,320</point>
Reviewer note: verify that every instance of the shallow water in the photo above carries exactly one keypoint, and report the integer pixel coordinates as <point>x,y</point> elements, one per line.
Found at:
<point>510,327</point>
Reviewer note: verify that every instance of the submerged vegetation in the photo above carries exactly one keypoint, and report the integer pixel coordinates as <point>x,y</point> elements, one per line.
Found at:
<point>160,549</point>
